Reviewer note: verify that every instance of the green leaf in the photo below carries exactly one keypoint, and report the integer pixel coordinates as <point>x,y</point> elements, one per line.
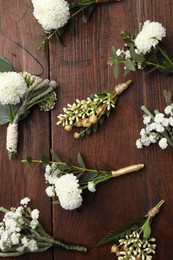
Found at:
<point>101,120</point>
<point>4,116</point>
<point>89,176</point>
<point>114,236</point>
<point>95,127</point>
<point>45,159</point>
<point>129,65</point>
<point>68,163</point>
<point>88,131</point>
<point>116,70</point>
<point>147,229</point>
<point>80,161</point>
<point>55,156</point>
<point>114,55</point>
<point>5,64</point>
<point>29,159</point>
<point>86,14</point>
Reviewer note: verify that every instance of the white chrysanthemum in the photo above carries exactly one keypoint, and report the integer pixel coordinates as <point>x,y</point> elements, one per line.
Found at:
<point>68,191</point>
<point>51,14</point>
<point>163,143</point>
<point>150,35</point>
<point>12,88</point>
<point>91,186</point>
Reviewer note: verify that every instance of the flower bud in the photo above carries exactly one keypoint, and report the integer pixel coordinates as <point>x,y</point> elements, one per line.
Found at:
<point>114,249</point>
<point>93,119</point>
<point>76,135</point>
<point>100,110</point>
<point>68,128</point>
<point>86,123</point>
<point>78,123</point>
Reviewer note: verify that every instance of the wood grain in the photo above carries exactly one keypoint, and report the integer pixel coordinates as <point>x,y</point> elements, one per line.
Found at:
<point>81,69</point>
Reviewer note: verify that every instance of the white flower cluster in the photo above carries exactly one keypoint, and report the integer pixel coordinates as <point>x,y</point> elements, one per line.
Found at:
<point>13,228</point>
<point>12,88</point>
<point>83,110</point>
<point>133,247</point>
<point>149,36</point>
<point>51,14</point>
<point>155,129</point>
<point>65,187</point>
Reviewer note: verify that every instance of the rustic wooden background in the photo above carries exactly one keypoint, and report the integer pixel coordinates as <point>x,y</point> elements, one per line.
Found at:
<point>81,69</point>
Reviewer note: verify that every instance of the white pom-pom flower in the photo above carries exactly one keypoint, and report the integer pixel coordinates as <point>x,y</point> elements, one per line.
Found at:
<point>68,191</point>
<point>51,14</point>
<point>150,35</point>
<point>12,88</point>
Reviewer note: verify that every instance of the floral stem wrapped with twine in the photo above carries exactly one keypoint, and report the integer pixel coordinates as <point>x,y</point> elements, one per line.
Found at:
<point>88,114</point>
<point>19,93</point>
<point>134,241</point>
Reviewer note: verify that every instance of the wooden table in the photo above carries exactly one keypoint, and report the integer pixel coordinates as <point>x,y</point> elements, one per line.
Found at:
<point>81,68</point>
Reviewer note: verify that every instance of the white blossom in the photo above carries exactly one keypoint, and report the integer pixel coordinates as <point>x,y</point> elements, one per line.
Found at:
<point>50,191</point>
<point>12,88</point>
<point>139,144</point>
<point>91,186</point>
<point>150,35</point>
<point>35,214</point>
<point>25,201</point>
<point>146,120</point>
<point>163,143</point>
<point>68,191</point>
<point>51,14</point>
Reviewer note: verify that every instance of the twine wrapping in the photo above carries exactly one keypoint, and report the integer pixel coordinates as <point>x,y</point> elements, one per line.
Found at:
<point>12,138</point>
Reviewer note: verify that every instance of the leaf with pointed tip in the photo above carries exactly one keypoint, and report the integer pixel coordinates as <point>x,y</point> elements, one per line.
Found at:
<point>45,159</point>
<point>54,155</point>
<point>5,64</point>
<point>81,161</point>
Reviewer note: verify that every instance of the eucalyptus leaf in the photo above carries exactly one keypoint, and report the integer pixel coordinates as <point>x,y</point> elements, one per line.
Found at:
<point>5,64</point>
<point>45,159</point>
<point>129,65</point>
<point>116,70</point>
<point>55,156</point>
<point>89,176</point>
<point>81,161</point>
<point>68,163</point>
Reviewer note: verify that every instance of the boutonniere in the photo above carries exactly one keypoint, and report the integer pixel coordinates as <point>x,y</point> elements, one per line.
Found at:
<point>134,241</point>
<point>19,93</point>
<point>57,16</point>
<point>142,51</point>
<point>67,181</point>
<point>158,126</point>
<point>86,115</point>
<point>21,233</point>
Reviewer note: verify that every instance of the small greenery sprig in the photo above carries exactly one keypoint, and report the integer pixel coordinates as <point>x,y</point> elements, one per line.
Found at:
<point>158,126</point>
<point>62,16</point>
<point>67,181</point>
<point>88,114</point>
<point>134,240</point>
<point>19,93</point>
<point>21,233</point>
<point>142,51</point>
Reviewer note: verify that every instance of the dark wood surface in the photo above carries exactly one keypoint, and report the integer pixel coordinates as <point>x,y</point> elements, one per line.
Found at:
<point>81,69</point>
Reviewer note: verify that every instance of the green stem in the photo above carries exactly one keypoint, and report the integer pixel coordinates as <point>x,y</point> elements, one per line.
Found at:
<point>165,55</point>
<point>10,113</point>
<point>98,181</point>
<point>147,111</point>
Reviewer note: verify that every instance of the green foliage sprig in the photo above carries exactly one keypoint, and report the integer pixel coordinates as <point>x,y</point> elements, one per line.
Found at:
<point>83,7</point>
<point>132,59</point>
<point>61,175</point>
<point>88,114</point>
<point>134,239</point>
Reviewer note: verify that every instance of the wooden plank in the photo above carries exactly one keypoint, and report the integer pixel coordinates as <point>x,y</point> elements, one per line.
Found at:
<point>18,32</point>
<point>81,68</point>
